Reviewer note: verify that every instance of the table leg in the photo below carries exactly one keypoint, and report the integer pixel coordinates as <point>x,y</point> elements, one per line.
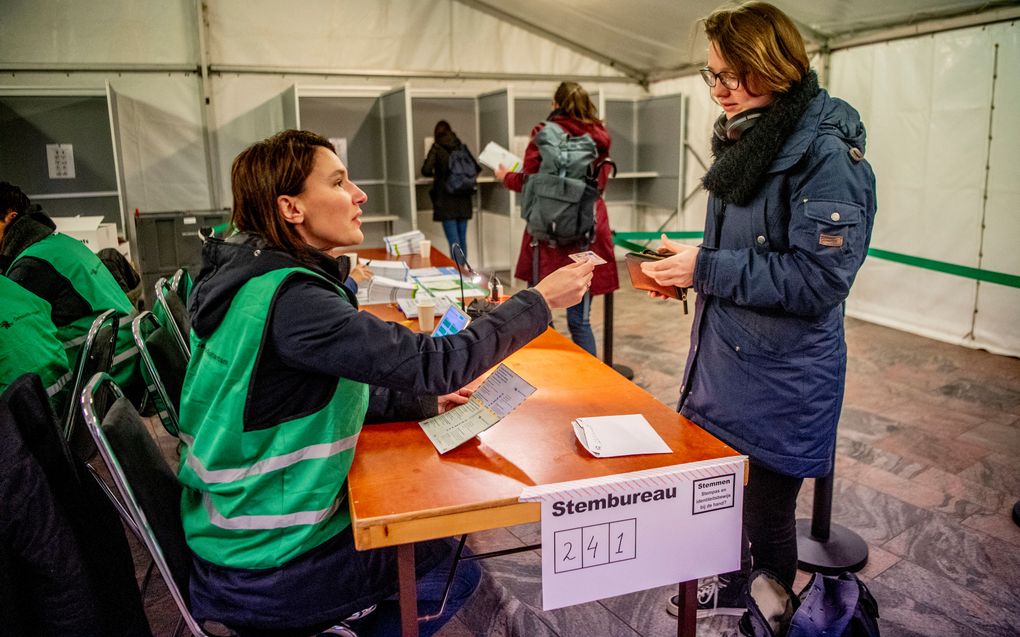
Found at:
<point>408,590</point>
<point>686,625</point>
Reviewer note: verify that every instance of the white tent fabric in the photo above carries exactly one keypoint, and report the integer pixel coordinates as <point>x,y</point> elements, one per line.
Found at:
<point>51,31</point>
<point>927,103</point>
<point>433,36</point>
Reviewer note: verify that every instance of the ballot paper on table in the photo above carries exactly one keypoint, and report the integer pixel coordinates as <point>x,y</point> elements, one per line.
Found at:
<point>493,155</point>
<point>610,436</point>
<point>501,393</point>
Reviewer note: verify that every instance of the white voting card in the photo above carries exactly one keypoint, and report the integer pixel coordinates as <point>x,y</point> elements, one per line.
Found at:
<point>493,155</point>
<point>501,393</point>
<point>611,436</point>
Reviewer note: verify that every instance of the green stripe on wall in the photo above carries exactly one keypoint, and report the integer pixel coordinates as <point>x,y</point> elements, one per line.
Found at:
<point>626,239</point>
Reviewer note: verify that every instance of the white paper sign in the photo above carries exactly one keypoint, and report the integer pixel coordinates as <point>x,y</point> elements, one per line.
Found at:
<point>629,532</point>
<point>60,161</point>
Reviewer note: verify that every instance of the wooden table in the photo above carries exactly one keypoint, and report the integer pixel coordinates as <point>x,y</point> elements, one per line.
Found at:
<point>402,491</point>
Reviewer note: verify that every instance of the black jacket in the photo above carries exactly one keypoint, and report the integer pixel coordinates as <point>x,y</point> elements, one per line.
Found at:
<point>445,206</point>
<point>65,566</point>
<point>316,336</point>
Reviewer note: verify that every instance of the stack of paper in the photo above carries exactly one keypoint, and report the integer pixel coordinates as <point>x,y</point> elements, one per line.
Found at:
<point>610,436</point>
<point>404,243</point>
<point>396,270</point>
<point>380,289</point>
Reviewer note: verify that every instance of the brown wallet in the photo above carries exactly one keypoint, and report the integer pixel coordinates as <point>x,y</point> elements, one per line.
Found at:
<point>642,281</point>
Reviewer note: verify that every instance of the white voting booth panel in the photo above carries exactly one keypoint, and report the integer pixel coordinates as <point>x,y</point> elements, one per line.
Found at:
<point>619,534</point>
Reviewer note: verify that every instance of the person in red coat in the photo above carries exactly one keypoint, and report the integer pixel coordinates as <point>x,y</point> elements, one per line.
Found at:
<point>574,111</point>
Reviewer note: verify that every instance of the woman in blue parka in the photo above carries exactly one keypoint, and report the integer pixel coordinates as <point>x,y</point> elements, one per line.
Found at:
<point>790,211</point>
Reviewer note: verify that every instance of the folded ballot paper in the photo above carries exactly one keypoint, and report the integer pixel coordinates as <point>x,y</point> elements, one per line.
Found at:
<point>493,155</point>
<point>611,436</point>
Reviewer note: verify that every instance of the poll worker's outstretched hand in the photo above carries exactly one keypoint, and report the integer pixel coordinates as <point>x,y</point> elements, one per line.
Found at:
<point>565,287</point>
<point>451,400</point>
<point>677,269</point>
<point>501,172</point>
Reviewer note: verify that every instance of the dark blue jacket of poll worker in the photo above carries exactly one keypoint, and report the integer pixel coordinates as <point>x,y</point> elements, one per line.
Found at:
<point>788,226</point>
<point>311,354</point>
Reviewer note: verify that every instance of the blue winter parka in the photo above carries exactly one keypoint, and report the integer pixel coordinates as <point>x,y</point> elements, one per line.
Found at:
<point>767,362</point>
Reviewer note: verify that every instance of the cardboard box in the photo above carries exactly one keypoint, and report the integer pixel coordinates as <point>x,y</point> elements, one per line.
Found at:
<point>89,230</point>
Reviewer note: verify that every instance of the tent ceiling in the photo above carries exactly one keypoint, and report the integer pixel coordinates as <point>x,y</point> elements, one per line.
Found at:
<point>650,38</point>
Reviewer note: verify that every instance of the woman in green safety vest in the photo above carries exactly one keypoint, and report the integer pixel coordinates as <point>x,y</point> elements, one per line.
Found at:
<point>284,372</point>
<point>66,274</point>
<point>29,343</point>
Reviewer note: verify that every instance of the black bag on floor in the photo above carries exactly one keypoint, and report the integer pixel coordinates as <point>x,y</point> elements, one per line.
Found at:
<point>829,606</point>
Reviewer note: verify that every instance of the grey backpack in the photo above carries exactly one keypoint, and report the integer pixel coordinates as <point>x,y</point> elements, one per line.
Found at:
<point>558,203</point>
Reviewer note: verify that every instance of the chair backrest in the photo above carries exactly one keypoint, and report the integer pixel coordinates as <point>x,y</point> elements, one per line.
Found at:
<point>96,355</point>
<point>180,283</point>
<point>163,365</point>
<point>176,311</point>
<point>146,483</point>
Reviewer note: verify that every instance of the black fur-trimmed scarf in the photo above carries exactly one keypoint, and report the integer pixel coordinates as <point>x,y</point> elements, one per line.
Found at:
<point>739,167</point>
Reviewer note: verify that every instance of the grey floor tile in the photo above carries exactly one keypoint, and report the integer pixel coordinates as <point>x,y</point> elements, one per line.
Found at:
<point>985,566</point>
<point>960,603</point>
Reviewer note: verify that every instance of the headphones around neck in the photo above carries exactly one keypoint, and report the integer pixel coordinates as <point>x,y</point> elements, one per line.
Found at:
<point>734,128</point>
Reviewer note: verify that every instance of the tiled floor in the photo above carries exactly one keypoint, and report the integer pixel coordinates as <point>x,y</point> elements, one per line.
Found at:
<point>927,474</point>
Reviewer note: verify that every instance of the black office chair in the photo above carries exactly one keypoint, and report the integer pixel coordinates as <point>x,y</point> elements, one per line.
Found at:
<point>176,312</point>
<point>151,494</point>
<point>164,364</point>
<point>180,283</point>
<point>147,485</point>
<point>96,355</point>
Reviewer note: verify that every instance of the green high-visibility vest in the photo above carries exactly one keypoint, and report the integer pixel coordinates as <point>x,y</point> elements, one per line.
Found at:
<point>29,343</point>
<point>90,278</point>
<point>257,499</point>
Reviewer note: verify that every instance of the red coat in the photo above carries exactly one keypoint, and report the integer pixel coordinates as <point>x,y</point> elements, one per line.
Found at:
<point>549,258</point>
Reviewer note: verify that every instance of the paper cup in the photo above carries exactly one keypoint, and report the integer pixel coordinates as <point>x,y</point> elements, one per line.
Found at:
<point>426,314</point>
<point>425,248</point>
<point>353,256</point>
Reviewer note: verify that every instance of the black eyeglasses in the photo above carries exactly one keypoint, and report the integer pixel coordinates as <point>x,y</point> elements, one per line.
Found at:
<point>729,80</point>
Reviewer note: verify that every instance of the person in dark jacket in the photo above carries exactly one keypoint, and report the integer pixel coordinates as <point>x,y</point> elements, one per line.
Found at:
<point>283,373</point>
<point>65,273</point>
<point>452,209</point>
<point>790,212</point>
<point>574,111</point>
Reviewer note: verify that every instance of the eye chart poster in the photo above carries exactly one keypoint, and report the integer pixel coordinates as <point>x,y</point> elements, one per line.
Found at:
<point>619,534</point>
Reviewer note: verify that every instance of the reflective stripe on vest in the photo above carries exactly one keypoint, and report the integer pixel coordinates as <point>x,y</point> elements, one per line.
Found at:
<point>274,463</point>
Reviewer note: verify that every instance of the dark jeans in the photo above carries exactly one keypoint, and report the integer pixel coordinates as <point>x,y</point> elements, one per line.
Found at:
<point>385,621</point>
<point>580,328</point>
<point>323,587</point>
<point>456,232</point>
<point>770,523</point>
